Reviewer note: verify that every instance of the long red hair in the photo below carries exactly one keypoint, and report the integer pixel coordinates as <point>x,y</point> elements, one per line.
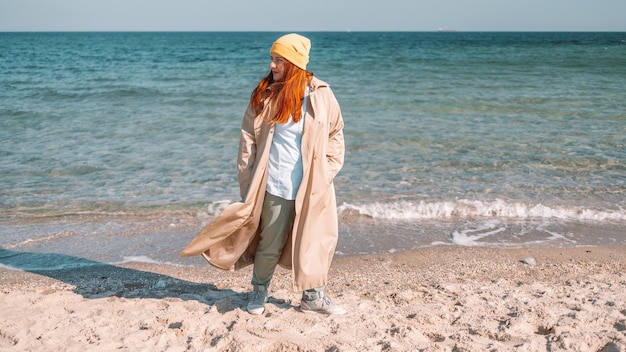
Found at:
<point>284,96</point>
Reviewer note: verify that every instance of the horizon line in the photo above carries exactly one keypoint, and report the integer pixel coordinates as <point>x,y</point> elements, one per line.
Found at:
<point>444,30</point>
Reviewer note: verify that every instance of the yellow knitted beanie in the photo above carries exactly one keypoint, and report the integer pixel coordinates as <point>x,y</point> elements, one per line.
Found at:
<point>293,48</point>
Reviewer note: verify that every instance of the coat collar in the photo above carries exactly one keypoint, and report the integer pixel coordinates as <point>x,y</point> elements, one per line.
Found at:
<point>317,83</point>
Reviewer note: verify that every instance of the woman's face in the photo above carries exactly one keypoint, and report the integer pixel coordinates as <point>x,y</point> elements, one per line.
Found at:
<point>278,67</point>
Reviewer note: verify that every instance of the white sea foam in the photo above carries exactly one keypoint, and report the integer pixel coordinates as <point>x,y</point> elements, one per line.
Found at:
<point>7,267</point>
<point>47,262</point>
<point>29,241</point>
<point>215,208</point>
<point>472,209</point>
<point>471,237</point>
<point>138,259</point>
<point>147,260</point>
<point>486,234</point>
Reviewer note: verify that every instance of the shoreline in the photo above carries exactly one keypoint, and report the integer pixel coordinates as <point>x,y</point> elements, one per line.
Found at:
<point>434,299</point>
<point>159,239</point>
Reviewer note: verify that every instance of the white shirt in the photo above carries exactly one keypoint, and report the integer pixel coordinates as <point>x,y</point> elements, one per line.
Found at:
<point>285,164</point>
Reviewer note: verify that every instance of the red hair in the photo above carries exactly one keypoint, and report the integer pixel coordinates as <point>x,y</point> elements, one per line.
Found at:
<point>284,96</point>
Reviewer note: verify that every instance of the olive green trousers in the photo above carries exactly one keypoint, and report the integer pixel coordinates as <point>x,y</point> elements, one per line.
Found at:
<point>277,217</point>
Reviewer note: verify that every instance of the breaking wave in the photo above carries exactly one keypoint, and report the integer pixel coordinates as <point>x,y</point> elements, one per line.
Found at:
<point>477,209</point>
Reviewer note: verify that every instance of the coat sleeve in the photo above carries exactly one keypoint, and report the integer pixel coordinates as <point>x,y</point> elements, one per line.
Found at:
<point>336,147</point>
<point>247,152</point>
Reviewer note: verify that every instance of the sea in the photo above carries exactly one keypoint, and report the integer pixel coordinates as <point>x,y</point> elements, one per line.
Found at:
<point>120,147</point>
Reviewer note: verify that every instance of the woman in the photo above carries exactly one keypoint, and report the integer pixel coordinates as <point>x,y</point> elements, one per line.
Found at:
<point>290,150</point>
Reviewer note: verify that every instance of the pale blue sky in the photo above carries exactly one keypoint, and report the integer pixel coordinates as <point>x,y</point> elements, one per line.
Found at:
<point>316,15</point>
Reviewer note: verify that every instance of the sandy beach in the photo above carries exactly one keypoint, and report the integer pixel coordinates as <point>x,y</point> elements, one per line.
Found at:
<point>436,299</point>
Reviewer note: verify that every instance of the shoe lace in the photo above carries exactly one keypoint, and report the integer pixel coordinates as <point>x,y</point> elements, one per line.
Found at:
<point>257,296</point>
<point>327,302</point>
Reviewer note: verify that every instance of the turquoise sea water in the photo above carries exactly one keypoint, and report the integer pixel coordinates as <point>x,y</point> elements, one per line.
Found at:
<point>120,146</point>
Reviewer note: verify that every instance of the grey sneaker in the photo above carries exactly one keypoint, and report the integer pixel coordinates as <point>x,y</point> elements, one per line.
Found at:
<point>257,300</point>
<point>322,305</point>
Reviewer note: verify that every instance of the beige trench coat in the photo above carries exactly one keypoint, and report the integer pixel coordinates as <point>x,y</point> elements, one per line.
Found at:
<point>230,241</point>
